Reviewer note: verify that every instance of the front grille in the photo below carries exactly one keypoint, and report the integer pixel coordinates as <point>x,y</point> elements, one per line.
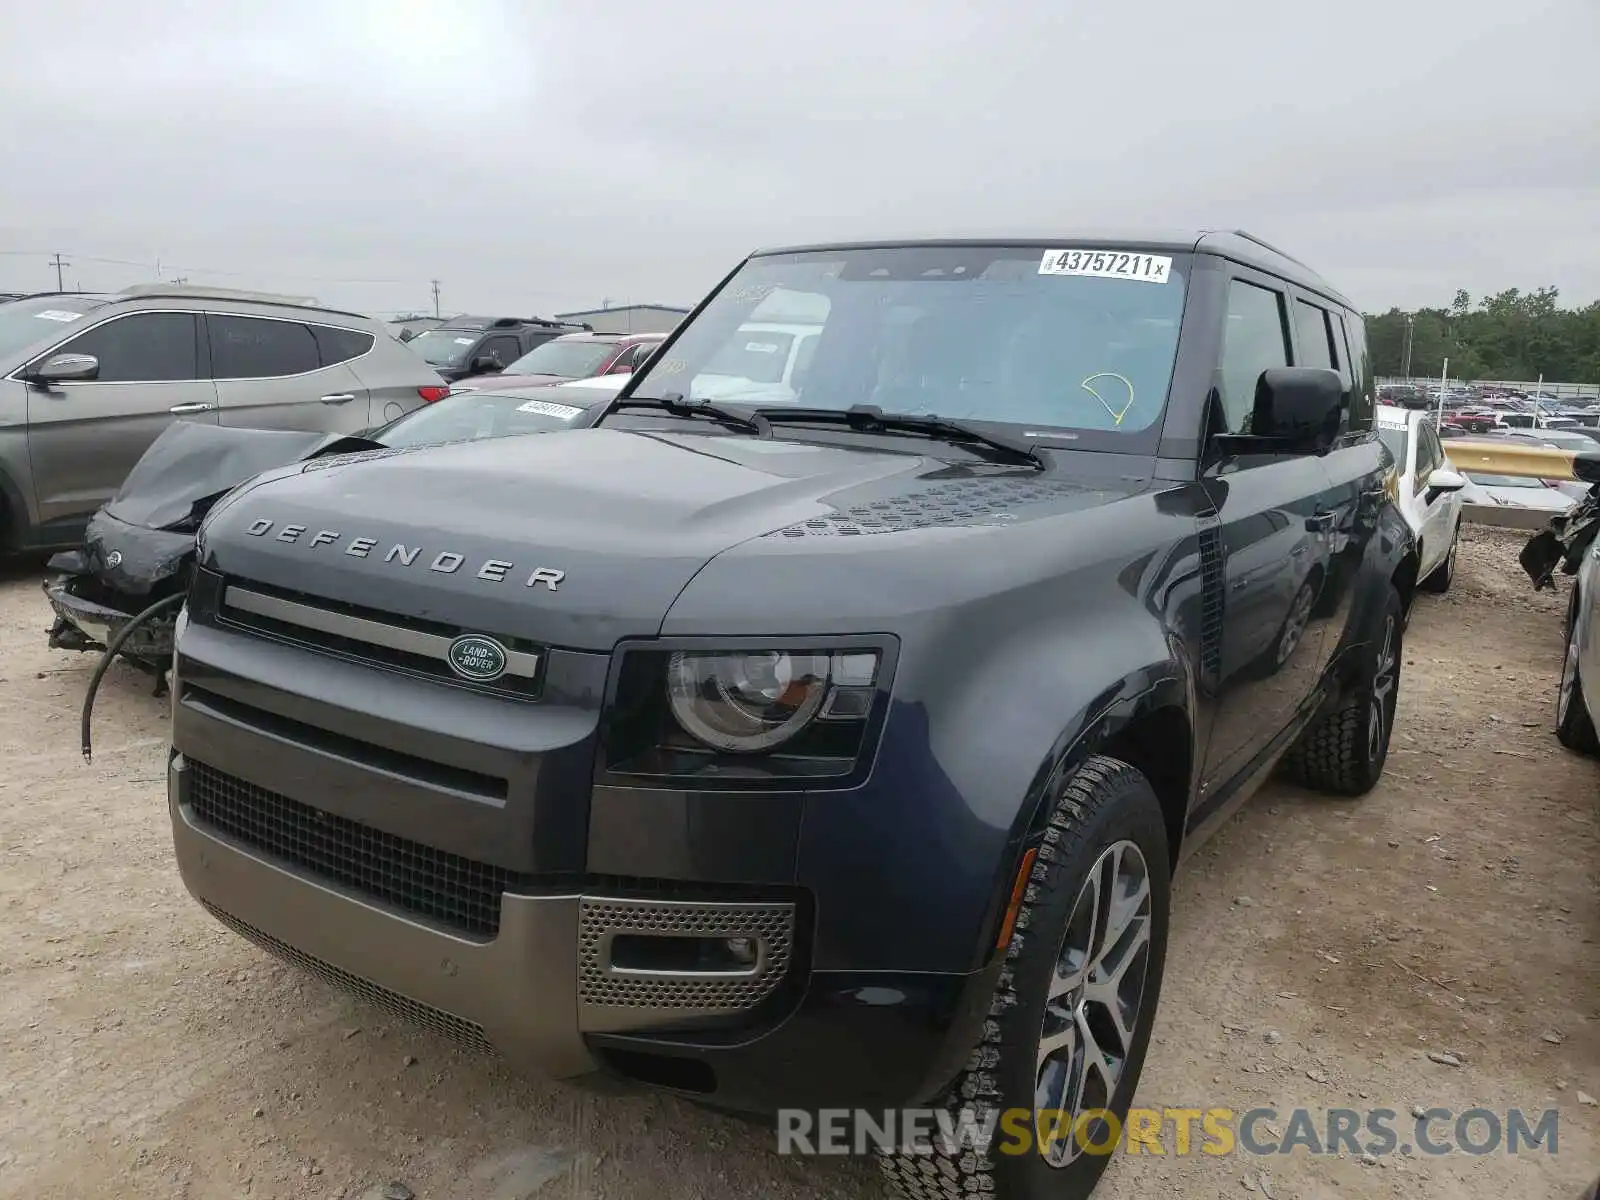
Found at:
<point>772,923</point>
<point>408,662</point>
<point>458,892</point>
<point>466,1034</point>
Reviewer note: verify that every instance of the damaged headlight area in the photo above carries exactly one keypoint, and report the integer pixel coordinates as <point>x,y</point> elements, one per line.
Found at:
<point>744,716</point>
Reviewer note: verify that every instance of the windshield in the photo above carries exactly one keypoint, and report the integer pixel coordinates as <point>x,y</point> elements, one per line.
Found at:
<point>443,346</point>
<point>1395,440</point>
<point>24,322</point>
<point>466,416</point>
<point>1505,481</point>
<point>569,360</point>
<point>1058,340</point>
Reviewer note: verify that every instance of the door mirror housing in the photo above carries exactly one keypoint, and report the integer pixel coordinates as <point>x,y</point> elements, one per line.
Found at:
<point>1442,480</point>
<point>1296,412</point>
<point>1586,466</point>
<point>66,368</point>
<point>483,364</point>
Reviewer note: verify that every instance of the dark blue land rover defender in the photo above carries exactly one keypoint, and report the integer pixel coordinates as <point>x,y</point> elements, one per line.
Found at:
<point>824,725</point>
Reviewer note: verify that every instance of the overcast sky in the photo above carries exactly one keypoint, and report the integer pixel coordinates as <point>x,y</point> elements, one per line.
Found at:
<point>535,156</point>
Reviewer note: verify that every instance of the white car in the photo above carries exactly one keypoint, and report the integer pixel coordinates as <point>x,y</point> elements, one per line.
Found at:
<point>1513,491</point>
<point>1429,491</point>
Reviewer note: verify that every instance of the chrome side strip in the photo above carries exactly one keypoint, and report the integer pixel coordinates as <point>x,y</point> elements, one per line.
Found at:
<point>375,633</point>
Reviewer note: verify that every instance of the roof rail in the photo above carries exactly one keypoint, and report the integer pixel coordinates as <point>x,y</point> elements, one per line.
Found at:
<point>1266,245</point>
<point>204,292</point>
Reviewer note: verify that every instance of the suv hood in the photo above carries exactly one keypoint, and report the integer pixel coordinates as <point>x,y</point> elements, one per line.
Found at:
<point>495,383</point>
<point>587,536</point>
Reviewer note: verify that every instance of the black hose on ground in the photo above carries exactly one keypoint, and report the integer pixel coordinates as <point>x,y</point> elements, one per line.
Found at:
<point>155,610</point>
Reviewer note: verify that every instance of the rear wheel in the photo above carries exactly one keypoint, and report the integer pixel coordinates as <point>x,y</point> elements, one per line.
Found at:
<point>1070,1021</point>
<point>1574,723</point>
<point>1439,580</point>
<point>1344,752</point>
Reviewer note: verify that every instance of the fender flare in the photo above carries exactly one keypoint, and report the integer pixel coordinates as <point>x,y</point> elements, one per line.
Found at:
<point>1166,683</point>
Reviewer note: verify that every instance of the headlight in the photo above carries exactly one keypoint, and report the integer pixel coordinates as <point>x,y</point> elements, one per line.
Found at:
<point>747,702</point>
<point>747,715</point>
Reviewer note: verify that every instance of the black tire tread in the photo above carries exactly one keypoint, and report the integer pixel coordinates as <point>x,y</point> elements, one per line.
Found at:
<point>1578,731</point>
<point>1438,582</point>
<point>1330,756</point>
<point>941,1176</point>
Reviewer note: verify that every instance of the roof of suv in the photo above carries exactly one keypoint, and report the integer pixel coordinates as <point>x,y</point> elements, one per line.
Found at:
<point>1237,245</point>
<point>479,324</point>
<point>203,297</point>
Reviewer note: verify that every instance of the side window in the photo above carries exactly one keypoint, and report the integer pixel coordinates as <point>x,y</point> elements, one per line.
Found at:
<point>340,345</point>
<point>1255,340</point>
<point>141,348</point>
<point>253,348</point>
<point>504,348</point>
<point>1311,330</point>
<point>1355,332</point>
<point>1430,455</point>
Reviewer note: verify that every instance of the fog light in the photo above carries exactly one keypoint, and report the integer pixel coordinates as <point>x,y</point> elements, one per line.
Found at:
<point>742,950</point>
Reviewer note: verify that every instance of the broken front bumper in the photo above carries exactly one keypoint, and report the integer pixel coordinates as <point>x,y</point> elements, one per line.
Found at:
<point>100,623</point>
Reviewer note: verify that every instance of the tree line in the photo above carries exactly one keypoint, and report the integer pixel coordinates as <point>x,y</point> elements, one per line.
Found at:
<point>1511,335</point>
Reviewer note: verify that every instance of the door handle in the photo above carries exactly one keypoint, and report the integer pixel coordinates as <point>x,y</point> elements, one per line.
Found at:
<point>192,407</point>
<point>1321,522</point>
<point>339,398</point>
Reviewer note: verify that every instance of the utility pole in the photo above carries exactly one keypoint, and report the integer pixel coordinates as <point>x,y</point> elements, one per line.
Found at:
<point>180,279</point>
<point>435,283</point>
<point>1405,369</point>
<point>58,263</point>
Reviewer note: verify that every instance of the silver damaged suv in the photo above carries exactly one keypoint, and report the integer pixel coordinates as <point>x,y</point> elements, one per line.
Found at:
<point>88,381</point>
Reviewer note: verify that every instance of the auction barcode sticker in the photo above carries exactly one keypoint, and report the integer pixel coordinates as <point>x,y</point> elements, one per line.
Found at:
<point>1107,264</point>
<point>543,407</point>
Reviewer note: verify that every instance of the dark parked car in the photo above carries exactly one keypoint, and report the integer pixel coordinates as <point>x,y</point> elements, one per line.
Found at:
<point>827,752</point>
<point>465,346</point>
<point>572,356</point>
<point>139,548</point>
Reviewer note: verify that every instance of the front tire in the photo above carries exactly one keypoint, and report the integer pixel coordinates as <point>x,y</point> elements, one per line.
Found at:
<point>1343,753</point>
<point>1574,723</point>
<point>1070,1021</point>
<point>1439,581</point>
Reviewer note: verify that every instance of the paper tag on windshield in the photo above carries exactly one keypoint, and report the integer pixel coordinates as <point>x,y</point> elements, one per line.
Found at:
<point>1107,264</point>
<point>544,408</point>
<point>463,341</point>
<point>761,347</point>
<point>57,314</point>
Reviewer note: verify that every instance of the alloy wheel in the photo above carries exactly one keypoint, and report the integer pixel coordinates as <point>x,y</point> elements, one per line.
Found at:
<point>1094,1003</point>
<point>1569,679</point>
<point>1385,677</point>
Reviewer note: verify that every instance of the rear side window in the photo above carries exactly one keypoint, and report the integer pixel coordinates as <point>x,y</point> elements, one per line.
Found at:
<point>1311,330</point>
<point>1255,340</point>
<point>1355,333</point>
<point>253,348</point>
<point>340,345</point>
<point>141,348</point>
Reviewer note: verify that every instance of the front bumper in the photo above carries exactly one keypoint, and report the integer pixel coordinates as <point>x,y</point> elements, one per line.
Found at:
<point>100,623</point>
<point>543,994</point>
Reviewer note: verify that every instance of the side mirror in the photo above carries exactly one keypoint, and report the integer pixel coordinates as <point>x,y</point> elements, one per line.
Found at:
<point>483,364</point>
<point>66,368</point>
<point>1586,466</point>
<point>1297,411</point>
<point>1442,480</point>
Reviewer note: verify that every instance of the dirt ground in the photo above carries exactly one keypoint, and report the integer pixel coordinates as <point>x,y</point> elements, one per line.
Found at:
<point>1320,950</point>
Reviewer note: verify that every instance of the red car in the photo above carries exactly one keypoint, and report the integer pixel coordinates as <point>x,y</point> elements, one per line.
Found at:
<point>570,356</point>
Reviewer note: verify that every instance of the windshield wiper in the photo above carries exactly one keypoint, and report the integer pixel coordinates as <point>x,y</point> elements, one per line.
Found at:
<point>674,403</point>
<point>869,418</point>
